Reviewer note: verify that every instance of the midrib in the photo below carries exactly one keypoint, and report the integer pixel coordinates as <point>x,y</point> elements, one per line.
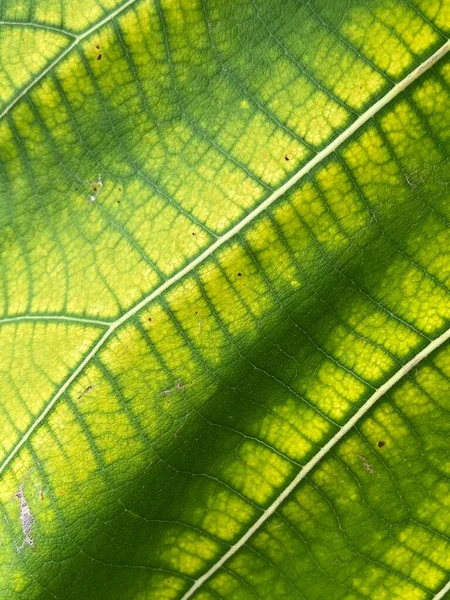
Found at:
<point>345,135</point>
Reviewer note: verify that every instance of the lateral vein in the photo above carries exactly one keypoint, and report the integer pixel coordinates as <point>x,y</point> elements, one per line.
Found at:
<point>64,318</point>
<point>381,391</point>
<point>37,26</point>
<point>443,592</point>
<point>59,58</point>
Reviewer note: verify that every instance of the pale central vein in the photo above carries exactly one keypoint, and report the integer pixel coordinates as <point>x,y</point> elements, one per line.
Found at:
<point>344,136</point>
<point>381,391</point>
<point>59,58</point>
<point>442,593</point>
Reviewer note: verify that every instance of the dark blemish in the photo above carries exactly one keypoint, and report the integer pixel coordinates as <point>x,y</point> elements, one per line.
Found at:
<point>41,494</point>
<point>97,46</point>
<point>120,189</point>
<point>96,187</point>
<point>88,389</point>
<point>118,201</point>
<point>239,274</point>
<point>381,443</point>
<point>99,57</point>
<point>150,319</point>
<point>286,157</point>
<point>193,233</point>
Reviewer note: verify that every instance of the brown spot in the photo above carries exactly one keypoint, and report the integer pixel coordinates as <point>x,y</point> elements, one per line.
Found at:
<point>120,189</point>
<point>286,157</point>
<point>239,274</point>
<point>86,391</point>
<point>97,46</point>
<point>381,443</point>
<point>41,494</point>
<point>193,233</point>
<point>150,319</point>
<point>99,57</point>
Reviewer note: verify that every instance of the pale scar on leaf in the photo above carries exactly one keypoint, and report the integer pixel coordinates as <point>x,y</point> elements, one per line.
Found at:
<point>26,518</point>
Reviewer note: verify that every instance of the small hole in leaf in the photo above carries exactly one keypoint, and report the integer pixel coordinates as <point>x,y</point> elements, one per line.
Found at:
<point>286,157</point>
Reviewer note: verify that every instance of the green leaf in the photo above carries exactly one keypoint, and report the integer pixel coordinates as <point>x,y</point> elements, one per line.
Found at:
<point>225,299</point>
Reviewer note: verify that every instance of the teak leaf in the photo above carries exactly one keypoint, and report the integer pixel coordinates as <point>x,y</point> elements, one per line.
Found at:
<point>224,299</point>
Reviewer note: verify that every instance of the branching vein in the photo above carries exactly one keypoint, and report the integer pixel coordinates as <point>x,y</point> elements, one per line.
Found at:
<point>336,143</point>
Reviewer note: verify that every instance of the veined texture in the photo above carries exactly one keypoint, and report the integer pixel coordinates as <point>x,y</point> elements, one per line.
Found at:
<point>224,299</point>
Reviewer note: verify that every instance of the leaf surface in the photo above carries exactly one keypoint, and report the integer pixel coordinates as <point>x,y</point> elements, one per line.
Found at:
<point>224,298</point>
